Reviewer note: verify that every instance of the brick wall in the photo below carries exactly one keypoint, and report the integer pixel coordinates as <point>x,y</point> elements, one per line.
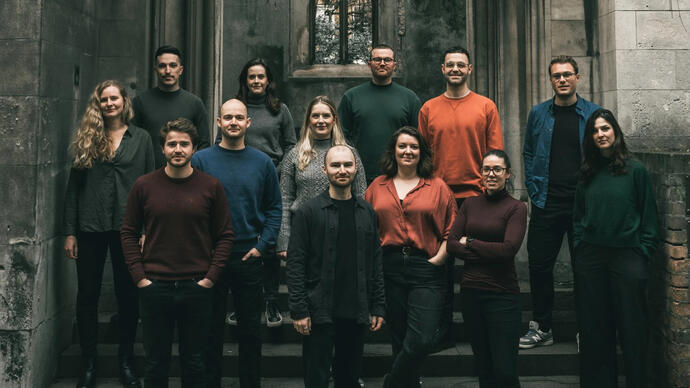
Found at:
<point>669,352</point>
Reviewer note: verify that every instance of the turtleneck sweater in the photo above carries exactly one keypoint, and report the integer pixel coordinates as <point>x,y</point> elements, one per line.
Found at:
<point>298,186</point>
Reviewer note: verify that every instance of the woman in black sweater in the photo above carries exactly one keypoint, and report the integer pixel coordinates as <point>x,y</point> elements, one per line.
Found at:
<point>615,233</point>
<point>487,233</point>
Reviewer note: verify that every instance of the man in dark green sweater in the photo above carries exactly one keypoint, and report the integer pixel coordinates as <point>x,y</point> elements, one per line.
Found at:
<point>168,101</point>
<point>371,112</point>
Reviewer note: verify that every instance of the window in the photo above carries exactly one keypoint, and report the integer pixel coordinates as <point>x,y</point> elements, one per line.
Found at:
<point>343,31</point>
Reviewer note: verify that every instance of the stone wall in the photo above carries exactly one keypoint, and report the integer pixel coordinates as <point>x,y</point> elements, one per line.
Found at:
<point>669,307</point>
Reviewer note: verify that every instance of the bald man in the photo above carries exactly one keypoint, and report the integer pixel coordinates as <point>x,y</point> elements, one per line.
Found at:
<point>253,194</point>
<point>335,276</point>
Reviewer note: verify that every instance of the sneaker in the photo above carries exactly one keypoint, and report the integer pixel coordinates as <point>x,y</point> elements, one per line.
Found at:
<point>231,319</point>
<point>273,317</point>
<point>535,337</point>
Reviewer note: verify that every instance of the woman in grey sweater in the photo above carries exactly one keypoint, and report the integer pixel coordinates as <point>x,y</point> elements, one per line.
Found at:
<point>302,177</point>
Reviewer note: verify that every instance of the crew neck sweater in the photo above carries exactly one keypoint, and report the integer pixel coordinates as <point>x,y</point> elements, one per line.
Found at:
<point>253,194</point>
<point>617,210</point>
<point>565,156</point>
<point>188,229</point>
<point>272,134</point>
<point>370,113</point>
<point>497,225</point>
<point>298,186</point>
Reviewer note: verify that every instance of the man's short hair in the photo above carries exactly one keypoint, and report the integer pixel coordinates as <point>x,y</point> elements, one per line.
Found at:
<point>382,46</point>
<point>182,125</point>
<point>167,49</point>
<point>454,50</point>
<point>564,59</point>
<point>325,156</point>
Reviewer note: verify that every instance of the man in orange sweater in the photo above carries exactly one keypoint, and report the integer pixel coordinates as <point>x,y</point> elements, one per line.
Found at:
<point>461,126</point>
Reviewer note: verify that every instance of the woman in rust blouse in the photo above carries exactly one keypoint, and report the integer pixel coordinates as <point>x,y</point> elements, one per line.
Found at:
<point>415,213</point>
<point>487,234</point>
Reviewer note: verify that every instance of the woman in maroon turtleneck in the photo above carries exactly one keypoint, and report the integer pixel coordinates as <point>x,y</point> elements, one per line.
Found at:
<point>487,233</point>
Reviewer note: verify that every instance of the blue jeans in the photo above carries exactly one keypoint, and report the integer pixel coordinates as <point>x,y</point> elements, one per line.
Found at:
<point>163,304</point>
<point>415,305</point>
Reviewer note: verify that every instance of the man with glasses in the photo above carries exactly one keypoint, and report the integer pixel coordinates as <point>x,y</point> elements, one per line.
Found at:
<point>460,126</point>
<point>552,154</point>
<point>371,112</point>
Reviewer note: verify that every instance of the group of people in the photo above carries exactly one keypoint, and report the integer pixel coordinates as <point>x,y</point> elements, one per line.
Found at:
<point>370,206</point>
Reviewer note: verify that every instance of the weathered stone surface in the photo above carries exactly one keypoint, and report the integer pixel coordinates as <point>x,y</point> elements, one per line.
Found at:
<point>55,285</point>
<point>16,115</point>
<point>567,10</point>
<point>14,354</point>
<point>122,9</point>
<point>59,60</point>
<point>654,112</point>
<point>642,5</point>
<point>123,69</point>
<point>116,37</point>
<point>23,19</point>
<point>48,339</point>
<point>568,38</point>
<point>584,65</point>
<point>646,69</point>
<point>683,69</point>
<point>16,284</point>
<point>19,61</point>
<point>58,122</point>
<point>52,183</point>
<point>663,30</point>
<point>18,189</point>
<point>605,6</point>
<point>68,26</point>
<point>609,75</point>
<point>607,32</point>
<point>626,30</point>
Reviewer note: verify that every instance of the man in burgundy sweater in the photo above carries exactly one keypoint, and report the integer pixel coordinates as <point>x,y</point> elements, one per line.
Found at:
<point>189,236</point>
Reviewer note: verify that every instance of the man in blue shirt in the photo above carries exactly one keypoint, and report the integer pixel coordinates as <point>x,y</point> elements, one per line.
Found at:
<point>552,155</point>
<point>251,187</point>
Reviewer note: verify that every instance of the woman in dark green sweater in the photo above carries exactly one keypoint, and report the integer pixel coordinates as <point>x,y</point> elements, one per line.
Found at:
<point>615,225</point>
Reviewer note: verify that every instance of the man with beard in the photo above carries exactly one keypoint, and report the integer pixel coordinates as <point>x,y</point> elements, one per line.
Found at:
<point>251,186</point>
<point>189,237</point>
<point>460,126</point>
<point>371,112</point>
<point>335,276</point>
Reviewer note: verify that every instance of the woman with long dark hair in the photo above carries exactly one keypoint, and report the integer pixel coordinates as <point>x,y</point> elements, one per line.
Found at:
<point>108,156</point>
<point>615,234</point>
<point>272,132</point>
<point>415,212</point>
<point>487,235</point>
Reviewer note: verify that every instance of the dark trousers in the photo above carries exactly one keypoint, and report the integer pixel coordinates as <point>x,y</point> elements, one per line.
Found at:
<point>545,236</point>
<point>347,336</point>
<point>92,252</point>
<point>611,297</point>
<point>244,280</point>
<point>493,321</point>
<point>271,276</point>
<point>163,305</point>
<point>415,305</point>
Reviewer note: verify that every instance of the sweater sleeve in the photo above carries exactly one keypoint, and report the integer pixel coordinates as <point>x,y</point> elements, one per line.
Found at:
<point>201,122</point>
<point>415,105</point>
<point>221,226</point>
<point>494,133</point>
<point>346,122</point>
<point>377,303</point>
<point>646,205</point>
<point>288,191</point>
<point>423,122</point>
<point>70,221</point>
<point>132,224</point>
<point>272,207</point>
<point>288,137</point>
<point>505,250</point>
<point>295,269</point>
<point>453,246</point>
<point>360,183</point>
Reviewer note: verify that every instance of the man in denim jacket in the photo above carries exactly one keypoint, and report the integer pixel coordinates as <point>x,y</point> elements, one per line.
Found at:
<point>552,154</point>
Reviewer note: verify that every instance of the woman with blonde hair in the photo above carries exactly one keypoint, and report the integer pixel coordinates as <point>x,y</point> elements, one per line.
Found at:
<point>108,156</point>
<point>302,177</point>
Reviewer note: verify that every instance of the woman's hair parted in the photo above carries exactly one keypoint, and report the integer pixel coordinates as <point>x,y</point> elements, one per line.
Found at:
<point>388,164</point>
<point>305,144</point>
<point>91,143</point>
<point>593,160</point>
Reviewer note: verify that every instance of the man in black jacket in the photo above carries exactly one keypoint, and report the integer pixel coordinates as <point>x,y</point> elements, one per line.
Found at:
<point>335,276</point>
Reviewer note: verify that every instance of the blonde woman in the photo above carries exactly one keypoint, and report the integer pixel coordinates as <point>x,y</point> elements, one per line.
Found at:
<point>302,176</point>
<point>108,156</point>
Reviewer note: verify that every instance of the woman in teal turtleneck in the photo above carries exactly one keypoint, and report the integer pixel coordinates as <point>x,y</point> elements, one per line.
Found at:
<point>615,225</point>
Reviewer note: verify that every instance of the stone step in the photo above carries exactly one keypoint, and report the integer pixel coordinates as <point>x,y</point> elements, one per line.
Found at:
<point>284,360</point>
<point>563,298</point>
<point>564,329</point>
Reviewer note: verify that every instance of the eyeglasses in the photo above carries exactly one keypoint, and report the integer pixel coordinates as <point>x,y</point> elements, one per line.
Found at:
<point>566,75</point>
<point>498,171</point>
<point>386,60</point>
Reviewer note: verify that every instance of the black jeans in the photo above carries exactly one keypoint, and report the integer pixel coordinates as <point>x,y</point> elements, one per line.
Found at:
<point>92,252</point>
<point>611,297</point>
<point>244,279</point>
<point>493,321</point>
<point>415,305</point>
<point>271,275</point>
<point>163,304</point>
<point>347,336</point>
<point>545,236</point>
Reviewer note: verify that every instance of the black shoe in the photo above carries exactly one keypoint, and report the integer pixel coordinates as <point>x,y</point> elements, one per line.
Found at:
<point>273,317</point>
<point>360,382</point>
<point>127,376</point>
<point>88,376</point>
